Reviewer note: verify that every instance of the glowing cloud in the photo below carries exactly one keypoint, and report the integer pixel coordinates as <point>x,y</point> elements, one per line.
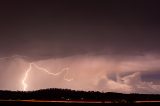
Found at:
<point>103,73</point>
<point>42,69</point>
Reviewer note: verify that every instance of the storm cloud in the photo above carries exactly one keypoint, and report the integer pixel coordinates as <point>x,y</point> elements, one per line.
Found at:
<point>89,72</point>
<point>107,46</point>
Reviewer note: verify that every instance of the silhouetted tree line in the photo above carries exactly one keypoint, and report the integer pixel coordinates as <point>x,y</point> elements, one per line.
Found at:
<point>67,94</point>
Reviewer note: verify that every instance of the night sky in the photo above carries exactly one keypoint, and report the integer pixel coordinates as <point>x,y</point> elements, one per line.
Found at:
<point>105,46</point>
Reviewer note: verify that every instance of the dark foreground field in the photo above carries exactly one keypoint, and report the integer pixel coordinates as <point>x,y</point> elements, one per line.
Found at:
<point>72,103</point>
<point>63,97</point>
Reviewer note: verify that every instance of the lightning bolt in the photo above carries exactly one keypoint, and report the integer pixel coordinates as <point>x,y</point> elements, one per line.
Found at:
<point>44,70</point>
<point>25,77</point>
<point>31,65</point>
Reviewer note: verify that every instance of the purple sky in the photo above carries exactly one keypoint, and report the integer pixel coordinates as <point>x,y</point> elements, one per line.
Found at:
<point>106,46</point>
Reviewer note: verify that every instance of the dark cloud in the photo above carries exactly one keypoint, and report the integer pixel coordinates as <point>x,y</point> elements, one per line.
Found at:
<point>68,28</point>
<point>151,76</point>
<point>118,38</point>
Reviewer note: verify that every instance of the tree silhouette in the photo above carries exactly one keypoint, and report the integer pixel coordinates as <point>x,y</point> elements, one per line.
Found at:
<point>67,94</point>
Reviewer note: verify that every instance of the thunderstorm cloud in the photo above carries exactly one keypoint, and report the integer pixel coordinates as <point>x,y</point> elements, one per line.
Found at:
<point>89,72</point>
<point>110,46</point>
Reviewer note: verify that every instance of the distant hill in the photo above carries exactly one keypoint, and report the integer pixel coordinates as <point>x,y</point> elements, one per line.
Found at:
<point>67,94</point>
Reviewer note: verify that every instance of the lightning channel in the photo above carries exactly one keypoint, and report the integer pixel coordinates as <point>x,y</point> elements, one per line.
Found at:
<point>31,65</point>
<point>25,77</point>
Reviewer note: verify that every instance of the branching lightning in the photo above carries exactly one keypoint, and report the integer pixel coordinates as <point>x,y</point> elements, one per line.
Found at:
<point>25,77</point>
<point>44,70</point>
<point>31,65</point>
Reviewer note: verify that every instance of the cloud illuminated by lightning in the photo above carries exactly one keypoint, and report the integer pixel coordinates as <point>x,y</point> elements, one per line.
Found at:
<point>14,56</point>
<point>31,65</point>
<point>44,70</point>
